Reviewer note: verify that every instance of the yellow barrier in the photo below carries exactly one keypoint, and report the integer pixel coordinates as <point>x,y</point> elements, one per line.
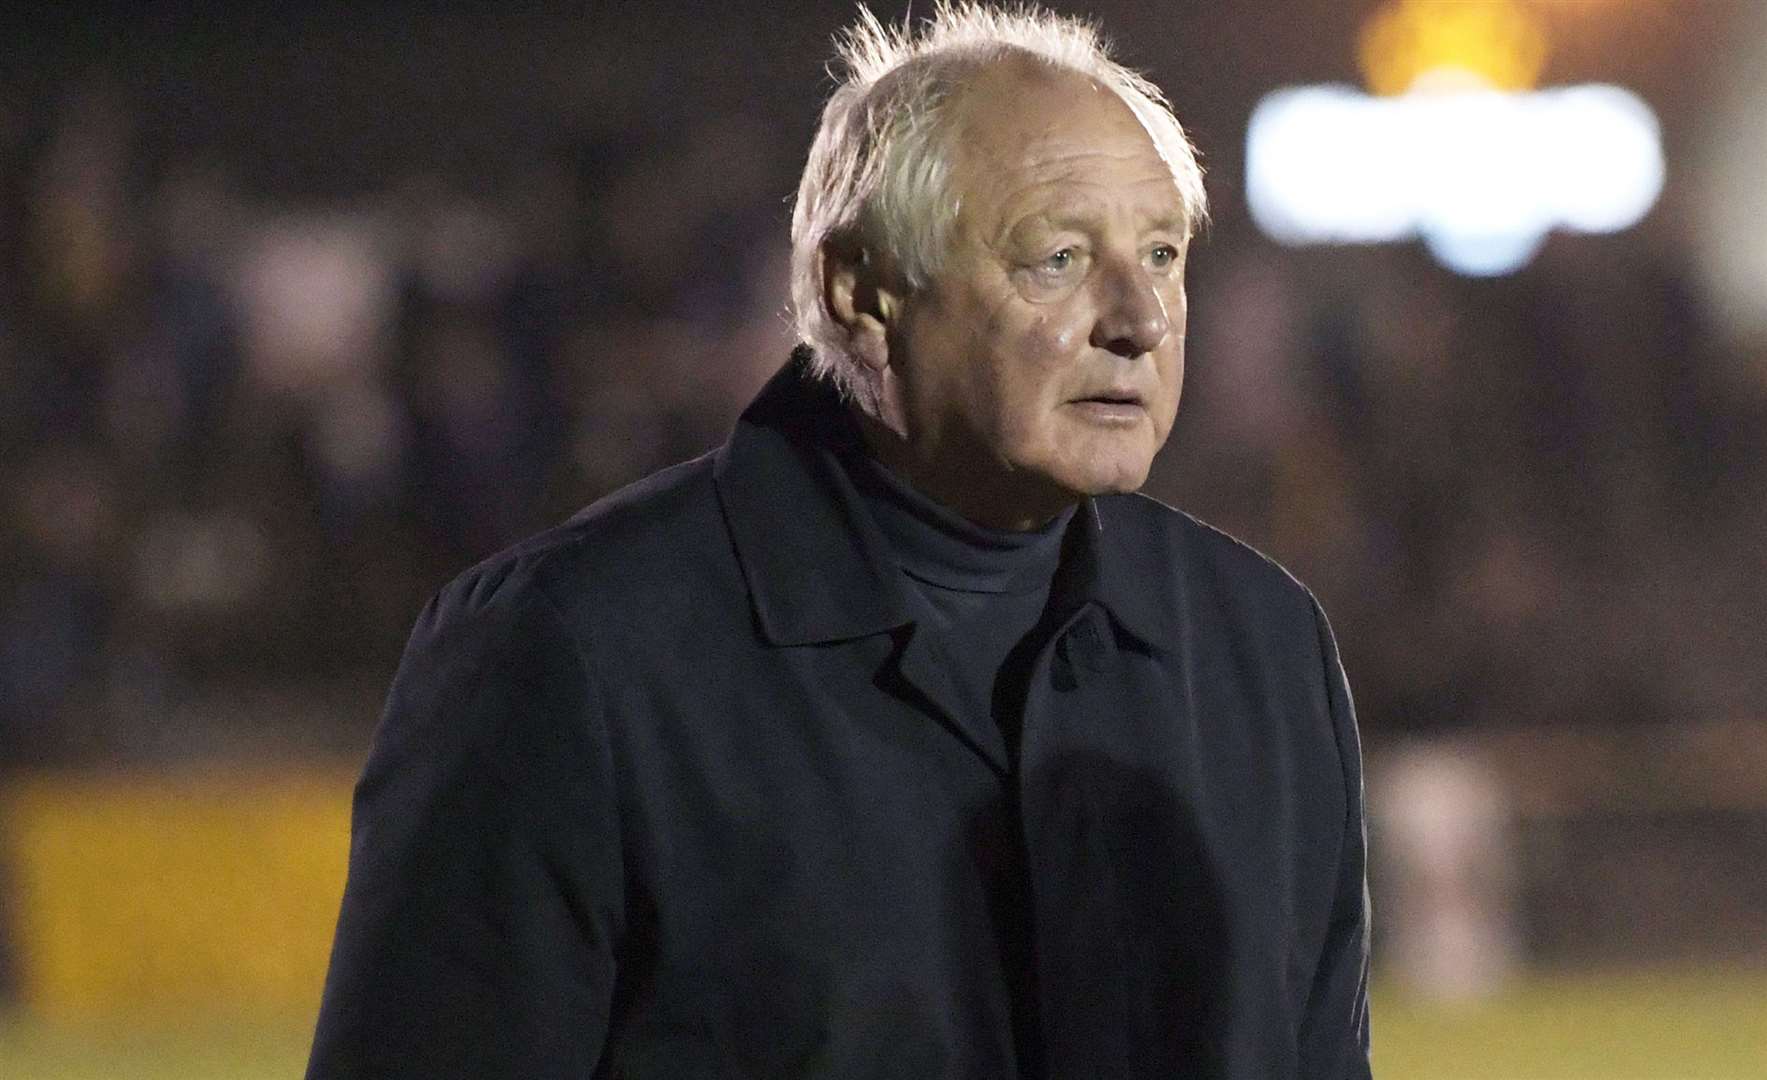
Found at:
<point>156,894</point>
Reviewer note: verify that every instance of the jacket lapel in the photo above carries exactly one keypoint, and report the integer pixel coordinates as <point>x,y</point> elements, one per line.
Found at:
<point>925,670</point>
<point>818,570</point>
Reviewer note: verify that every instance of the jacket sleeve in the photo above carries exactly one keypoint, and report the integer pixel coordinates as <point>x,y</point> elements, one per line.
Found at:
<point>480,919</point>
<point>1334,1030</point>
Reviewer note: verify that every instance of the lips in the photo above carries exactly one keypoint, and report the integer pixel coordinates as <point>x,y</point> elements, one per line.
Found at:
<point>1116,408</point>
<point>1112,397</point>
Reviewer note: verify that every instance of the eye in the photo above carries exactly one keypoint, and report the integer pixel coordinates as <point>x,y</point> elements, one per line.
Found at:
<point>1056,273</point>
<point>1163,255</point>
<point>1059,261</point>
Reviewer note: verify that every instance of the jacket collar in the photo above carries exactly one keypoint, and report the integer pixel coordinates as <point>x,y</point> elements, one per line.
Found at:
<point>818,569</point>
<point>1106,561</point>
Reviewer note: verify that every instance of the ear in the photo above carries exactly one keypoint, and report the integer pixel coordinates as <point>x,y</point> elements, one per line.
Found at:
<point>860,293</point>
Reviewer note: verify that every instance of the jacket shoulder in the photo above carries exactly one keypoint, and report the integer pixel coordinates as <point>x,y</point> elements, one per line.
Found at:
<point>1176,530</point>
<point>642,541</point>
<point>1209,559</point>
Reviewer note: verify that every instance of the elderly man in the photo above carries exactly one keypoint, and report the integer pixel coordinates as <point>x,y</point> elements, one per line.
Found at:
<point>897,737</point>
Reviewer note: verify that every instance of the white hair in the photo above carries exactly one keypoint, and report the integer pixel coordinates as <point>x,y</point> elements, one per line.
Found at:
<point>877,170</point>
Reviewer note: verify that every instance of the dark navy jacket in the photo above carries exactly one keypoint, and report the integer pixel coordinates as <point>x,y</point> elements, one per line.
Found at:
<point>677,791</point>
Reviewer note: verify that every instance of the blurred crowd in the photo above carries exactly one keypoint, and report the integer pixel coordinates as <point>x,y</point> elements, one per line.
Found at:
<point>1531,500</point>
<point>243,437</point>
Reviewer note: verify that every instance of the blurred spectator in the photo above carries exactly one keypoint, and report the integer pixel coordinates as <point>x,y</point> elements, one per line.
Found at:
<point>250,422</point>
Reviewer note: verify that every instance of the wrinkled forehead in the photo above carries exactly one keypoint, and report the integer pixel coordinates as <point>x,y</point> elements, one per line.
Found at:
<point>1021,123</point>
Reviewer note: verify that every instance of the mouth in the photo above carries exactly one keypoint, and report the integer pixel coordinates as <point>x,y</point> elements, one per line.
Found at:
<point>1112,397</point>
<point>1111,406</point>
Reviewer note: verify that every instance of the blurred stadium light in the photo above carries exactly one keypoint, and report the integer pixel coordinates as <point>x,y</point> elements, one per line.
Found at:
<point>1495,42</point>
<point>1459,151</point>
<point>1480,175</point>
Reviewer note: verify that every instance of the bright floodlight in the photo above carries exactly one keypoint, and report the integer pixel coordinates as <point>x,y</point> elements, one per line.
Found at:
<point>1480,175</point>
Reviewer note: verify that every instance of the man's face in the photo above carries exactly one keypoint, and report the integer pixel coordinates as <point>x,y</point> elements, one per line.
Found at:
<point>1043,362</point>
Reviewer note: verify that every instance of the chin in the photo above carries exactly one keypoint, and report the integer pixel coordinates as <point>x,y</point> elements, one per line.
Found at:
<point>1109,475</point>
<point>1111,466</point>
<point>1122,484</point>
<point>1102,459</point>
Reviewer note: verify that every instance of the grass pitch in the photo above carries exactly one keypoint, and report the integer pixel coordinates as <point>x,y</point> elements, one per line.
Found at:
<point>1631,1026</point>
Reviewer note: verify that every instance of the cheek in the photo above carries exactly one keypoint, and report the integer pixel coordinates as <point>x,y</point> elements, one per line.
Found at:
<point>1032,370</point>
<point>1058,336</point>
<point>1171,390</point>
<point>1040,353</point>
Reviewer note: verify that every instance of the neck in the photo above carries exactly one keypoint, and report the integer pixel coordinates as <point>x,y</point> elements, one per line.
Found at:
<point>935,545</point>
<point>994,499</point>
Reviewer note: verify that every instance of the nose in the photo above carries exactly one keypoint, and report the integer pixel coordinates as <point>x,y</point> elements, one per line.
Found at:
<point>1132,317</point>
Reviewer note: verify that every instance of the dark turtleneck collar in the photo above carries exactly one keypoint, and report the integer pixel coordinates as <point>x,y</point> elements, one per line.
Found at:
<point>938,546</point>
<point>819,570</point>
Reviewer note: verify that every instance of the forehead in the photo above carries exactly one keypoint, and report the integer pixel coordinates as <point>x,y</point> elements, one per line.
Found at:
<point>1029,138</point>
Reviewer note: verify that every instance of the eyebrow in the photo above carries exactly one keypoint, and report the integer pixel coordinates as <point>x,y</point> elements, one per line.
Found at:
<point>1082,215</point>
<point>1168,223</point>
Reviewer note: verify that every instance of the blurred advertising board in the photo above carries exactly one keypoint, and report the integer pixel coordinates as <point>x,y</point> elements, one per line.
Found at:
<point>165,894</point>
